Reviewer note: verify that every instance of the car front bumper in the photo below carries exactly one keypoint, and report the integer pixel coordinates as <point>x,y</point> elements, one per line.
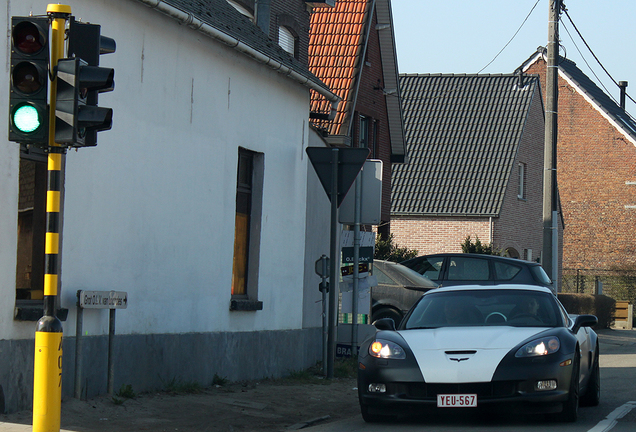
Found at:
<point>513,384</point>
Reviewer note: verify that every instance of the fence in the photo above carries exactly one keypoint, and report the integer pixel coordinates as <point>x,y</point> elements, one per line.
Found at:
<point>617,284</point>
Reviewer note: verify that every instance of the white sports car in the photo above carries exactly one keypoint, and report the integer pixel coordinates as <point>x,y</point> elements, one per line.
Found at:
<point>468,347</point>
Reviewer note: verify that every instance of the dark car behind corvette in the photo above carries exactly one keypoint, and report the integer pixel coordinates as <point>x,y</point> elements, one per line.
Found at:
<point>448,269</point>
<point>398,289</point>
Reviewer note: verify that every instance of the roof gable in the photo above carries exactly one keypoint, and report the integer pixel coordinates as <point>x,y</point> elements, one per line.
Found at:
<point>608,108</point>
<point>337,47</point>
<point>462,134</point>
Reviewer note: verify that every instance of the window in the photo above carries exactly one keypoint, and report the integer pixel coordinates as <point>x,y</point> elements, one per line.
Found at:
<point>506,271</point>
<point>31,229</point>
<point>287,40</point>
<point>428,266</point>
<point>468,269</point>
<point>243,10</point>
<point>364,132</point>
<point>521,193</point>
<point>247,231</point>
<point>373,145</point>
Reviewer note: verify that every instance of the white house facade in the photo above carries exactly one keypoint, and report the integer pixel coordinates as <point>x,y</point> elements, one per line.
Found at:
<point>153,210</point>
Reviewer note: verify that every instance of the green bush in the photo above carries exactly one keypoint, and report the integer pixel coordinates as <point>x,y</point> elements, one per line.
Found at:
<point>600,305</point>
<point>479,248</point>
<point>385,249</point>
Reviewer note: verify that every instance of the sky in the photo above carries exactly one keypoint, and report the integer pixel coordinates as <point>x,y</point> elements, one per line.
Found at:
<point>464,36</point>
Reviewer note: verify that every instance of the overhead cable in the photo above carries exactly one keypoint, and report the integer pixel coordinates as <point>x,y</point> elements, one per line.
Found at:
<point>513,36</point>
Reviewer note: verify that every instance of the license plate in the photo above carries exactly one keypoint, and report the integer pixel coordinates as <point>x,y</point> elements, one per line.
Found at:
<point>456,400</point>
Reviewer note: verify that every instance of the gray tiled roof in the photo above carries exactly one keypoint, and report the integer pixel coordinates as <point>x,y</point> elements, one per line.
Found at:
<point>220,15</point>
<point>462,134</point>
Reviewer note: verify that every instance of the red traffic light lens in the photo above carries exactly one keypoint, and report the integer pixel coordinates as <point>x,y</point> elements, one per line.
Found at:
<point>27,38</point>
<point>27,78</point>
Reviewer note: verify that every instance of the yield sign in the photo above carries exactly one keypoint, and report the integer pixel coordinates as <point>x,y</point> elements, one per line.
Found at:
<point>349,162</point>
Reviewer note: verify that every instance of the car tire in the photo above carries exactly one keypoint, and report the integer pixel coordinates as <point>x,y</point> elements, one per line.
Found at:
<point>571,406</point>
<point>592,395</point>
<point>374,418</point>
<point>387,312</point>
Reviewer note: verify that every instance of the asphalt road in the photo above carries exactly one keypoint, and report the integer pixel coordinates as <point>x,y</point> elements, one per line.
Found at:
<point>615,413</point>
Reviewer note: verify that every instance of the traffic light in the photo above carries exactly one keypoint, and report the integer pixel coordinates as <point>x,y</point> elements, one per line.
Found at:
<point>28,92</point>
<point>75,120</point>
<point>80,80</point>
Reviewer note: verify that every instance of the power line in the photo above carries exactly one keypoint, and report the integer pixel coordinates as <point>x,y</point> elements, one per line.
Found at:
<point>513,36</point>
<point>594,55</point>
<point>588,65</point>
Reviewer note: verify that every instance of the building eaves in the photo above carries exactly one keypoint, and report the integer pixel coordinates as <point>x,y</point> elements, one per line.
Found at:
<point>462,135</point>
<point>596,97</point>
<point>220,21</point>
<point>391,80</point>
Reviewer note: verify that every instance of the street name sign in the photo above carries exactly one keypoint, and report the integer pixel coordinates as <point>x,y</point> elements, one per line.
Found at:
<point>103,299</point>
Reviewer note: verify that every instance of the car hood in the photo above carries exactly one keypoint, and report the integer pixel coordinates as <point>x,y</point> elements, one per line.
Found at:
<point>464,354</point>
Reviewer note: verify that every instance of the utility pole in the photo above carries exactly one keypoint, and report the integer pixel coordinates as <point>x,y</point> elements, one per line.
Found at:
<point>550,221</point>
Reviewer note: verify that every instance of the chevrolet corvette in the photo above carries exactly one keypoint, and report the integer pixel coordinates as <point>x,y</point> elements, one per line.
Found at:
<point>478,347</point>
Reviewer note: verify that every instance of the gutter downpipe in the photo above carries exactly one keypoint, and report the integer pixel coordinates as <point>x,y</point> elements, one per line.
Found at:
<point>198,25</point>
<point>358,71</point>
<point>490,230</point>
<point>358,197</point>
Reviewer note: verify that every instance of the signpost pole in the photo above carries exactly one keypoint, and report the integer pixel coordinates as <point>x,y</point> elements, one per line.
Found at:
<point>356,269</point>
<point>333,271</point>
<point>47,363</point>
<point>79,344</point>
<point>111,350</point>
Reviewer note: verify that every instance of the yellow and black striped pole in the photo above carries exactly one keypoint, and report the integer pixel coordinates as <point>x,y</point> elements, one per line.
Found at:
<point>47,375</point>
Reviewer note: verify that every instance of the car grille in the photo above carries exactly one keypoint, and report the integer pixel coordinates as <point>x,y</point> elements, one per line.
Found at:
<point>488,390</point>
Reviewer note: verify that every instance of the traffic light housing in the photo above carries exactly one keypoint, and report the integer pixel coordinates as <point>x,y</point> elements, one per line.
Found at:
<point>28,92</point>
<point>78,116</point>
<point>75,119</point>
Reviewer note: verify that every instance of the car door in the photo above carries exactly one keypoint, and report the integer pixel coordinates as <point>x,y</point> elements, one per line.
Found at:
<point>467,270</point>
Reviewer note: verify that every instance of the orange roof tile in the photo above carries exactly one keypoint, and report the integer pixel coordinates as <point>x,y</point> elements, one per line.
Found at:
<point>335,47</point>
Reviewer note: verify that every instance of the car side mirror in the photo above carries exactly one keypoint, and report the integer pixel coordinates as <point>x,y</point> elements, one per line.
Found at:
<point>584,321</point>
<point>385,324</point>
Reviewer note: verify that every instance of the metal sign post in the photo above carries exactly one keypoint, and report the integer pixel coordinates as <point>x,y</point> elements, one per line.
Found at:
<point>111,300</point>
<point>337,168</point>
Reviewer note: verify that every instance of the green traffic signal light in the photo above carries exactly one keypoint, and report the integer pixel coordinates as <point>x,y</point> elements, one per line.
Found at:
<point>26,119</point>
<point>29,78</point>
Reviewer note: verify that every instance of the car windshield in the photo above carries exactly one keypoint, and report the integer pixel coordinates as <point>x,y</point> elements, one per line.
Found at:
<point>517,308</point>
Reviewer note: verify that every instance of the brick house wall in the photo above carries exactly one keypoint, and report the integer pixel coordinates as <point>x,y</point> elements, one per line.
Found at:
<point>371,103</point>
<point>595,163</point>
<point>520,222</point>
<point>293,14</point>
<point>430,235</point>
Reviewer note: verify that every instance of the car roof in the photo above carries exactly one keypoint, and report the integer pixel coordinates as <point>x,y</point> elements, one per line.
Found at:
<point>503,287</point>
<point>483,256</point>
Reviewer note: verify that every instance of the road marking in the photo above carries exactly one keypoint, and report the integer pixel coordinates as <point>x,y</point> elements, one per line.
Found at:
<point>610,421</point>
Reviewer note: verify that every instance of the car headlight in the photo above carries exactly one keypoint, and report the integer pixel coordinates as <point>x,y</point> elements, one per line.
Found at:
<point>539,347</point>
<point>381,348</point>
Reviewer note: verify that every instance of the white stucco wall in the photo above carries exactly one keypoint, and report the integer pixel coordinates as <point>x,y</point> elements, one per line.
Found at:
<point>150,210</point>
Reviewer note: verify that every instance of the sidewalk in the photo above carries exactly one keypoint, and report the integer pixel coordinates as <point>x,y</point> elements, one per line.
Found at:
<point>267,405</point>
<point>279,405</point>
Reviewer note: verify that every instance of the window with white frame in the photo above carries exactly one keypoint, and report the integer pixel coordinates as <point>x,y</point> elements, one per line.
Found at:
<point>521,192</point>
<point>287,40</point>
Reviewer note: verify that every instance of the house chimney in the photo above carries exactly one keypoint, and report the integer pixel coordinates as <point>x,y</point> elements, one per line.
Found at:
<point>623,86</point>
<point>262,14</point>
